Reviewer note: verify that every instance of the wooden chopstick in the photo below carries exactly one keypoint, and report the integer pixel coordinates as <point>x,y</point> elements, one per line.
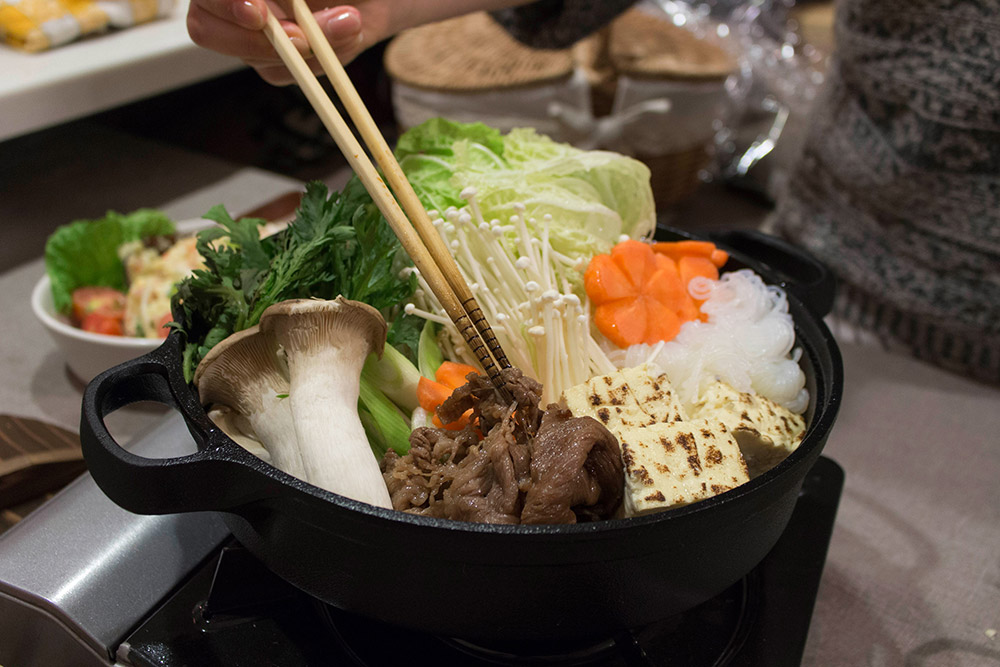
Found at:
<point>434,263</point>
<point>385,159</point>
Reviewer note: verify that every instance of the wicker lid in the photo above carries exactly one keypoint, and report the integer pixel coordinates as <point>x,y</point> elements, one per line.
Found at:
<point>470,53</point>
<point>644,45</point>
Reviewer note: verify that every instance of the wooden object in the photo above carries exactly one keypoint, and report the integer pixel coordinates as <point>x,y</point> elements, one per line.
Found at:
<point>35,458</point>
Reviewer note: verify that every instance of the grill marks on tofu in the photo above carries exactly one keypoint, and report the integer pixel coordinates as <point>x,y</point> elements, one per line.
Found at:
<point>654,394</point>
<point>673,464</point>
<point>628,398</point>
<point>670,460</point>
<point>766,432</point>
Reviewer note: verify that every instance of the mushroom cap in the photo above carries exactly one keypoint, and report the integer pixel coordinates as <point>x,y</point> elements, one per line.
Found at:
<point>232,371</point>
<point>308,322</point>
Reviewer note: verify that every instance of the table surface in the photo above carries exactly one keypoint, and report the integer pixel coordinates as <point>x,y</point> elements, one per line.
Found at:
<point>913,573</point>
<point>39,90</point>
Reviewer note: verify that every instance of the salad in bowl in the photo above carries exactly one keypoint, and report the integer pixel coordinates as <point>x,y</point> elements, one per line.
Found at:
<point>105,295</point>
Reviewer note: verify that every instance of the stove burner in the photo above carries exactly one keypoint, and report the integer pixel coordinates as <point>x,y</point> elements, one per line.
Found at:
<point>357,636</point>
<point>709,635</point>
<point>234,611</point>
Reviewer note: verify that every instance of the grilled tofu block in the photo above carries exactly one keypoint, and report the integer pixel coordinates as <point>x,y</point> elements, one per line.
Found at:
<point>628,398</point>
<point>766,432</point>
<point>608,399</point>
<point>654,393</point>
<point>678,463</point>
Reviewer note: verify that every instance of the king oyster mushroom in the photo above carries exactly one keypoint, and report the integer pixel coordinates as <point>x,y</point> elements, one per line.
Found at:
<point>324,345</point>
<point>242,373</point>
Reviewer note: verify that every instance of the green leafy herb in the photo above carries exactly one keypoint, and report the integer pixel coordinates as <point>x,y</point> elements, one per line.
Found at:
<point>404,335</point>
<point>84,253</point>
<point>338,244</point>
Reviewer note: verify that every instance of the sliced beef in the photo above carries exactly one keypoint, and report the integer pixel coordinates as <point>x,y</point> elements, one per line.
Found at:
<point>487,405</point>
<point>569,471</point>
<point>417,481</point>
<point>576,470</point>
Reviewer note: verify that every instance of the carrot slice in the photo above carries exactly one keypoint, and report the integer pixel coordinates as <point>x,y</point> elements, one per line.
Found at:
<point>431,394</point>
<point>622,321</point>
<point>662,323</point>
<point>457,425</point>
<point>664,263</point>
<point>452,374</point>
<point>636,260</point>
<point>719,258</point>
<point>689,310</point>
<point>640,291</point>
<point>678,249</point>
<point>691,267</point>
<point>604,281</point>
<point>666,287</point>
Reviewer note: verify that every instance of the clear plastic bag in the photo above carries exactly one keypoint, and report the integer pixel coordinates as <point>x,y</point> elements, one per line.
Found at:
<point>771,95</point>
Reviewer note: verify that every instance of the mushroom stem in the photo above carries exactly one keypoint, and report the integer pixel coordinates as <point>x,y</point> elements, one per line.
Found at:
<point>242,374</point>
<point>324,345</point>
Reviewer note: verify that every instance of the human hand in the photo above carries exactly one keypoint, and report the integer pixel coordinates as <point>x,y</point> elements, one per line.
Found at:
<point>234,27</point>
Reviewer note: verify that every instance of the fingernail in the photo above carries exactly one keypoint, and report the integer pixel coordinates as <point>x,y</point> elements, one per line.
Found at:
<point>248,15</point>
<point>301,44</point>
<point>342,26</point>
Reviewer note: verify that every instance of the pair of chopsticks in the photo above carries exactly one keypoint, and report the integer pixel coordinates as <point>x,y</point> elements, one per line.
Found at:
<point>420,240</point>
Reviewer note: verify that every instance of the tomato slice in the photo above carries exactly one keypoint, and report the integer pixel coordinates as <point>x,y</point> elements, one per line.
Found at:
<point>102,300</point>
<point>102,323</point>
<point>163,331</point>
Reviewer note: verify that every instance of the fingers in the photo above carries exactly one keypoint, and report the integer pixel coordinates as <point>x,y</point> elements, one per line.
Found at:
<point>342,28</point>
<point>233,27</point>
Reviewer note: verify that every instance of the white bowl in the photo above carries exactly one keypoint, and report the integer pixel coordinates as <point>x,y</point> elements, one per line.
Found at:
<point>87,354</point>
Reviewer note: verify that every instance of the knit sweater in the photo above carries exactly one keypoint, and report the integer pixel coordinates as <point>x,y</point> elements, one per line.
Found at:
<point>557,24</point>
<point>898,190</point>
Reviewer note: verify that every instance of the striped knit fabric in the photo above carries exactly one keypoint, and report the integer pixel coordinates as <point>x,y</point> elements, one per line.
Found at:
<point>899,186</point>
<point>558,24</point>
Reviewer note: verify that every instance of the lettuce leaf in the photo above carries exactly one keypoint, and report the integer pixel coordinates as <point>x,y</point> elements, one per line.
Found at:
<point>84,253</point>
<point>593,196</point>
<point>427,156</point>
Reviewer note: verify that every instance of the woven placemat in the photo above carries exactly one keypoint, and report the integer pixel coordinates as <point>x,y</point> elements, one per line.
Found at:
<point>645,45</point>
<point>470,53</point>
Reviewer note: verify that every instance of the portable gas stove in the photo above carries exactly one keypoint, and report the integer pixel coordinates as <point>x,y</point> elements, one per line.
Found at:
<point>83,582</point>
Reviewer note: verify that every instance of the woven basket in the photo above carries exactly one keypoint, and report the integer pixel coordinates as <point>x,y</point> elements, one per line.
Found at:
<point>642,44</point>
<point>645,46</point>
<point>470,53</point>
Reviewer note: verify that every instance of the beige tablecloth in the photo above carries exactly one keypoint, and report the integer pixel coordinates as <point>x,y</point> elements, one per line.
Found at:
<point>913,574</point>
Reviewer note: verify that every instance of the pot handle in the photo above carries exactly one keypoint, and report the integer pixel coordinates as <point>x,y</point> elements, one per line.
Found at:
<point>807,278</point>
<point>210,479</point>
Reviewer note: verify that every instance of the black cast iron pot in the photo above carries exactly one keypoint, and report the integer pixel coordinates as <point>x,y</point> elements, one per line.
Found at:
<point>476,581</point>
